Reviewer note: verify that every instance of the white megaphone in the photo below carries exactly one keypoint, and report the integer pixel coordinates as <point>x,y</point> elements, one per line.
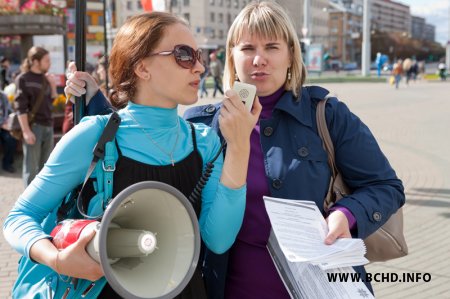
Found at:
<point>148,241</point>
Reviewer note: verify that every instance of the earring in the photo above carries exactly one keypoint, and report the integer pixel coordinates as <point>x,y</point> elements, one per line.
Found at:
<point>289,75</point>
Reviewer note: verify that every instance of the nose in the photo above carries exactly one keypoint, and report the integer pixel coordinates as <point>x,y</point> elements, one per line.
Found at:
<point>198,67</point>
<point>259,59</point>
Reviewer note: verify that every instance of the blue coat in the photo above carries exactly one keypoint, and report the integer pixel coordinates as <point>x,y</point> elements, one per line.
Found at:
<point>296,165</point>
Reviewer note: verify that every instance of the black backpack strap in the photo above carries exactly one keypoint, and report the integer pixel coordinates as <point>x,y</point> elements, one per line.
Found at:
<point>109,132</point>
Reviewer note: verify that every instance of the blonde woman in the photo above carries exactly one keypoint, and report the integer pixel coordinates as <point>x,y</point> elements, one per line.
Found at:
<point>287,159</point>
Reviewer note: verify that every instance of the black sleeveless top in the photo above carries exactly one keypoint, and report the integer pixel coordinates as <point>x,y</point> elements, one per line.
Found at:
<point>184,176</point>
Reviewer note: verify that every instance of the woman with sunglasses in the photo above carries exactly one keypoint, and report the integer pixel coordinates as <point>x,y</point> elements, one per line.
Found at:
<point>154,67</point>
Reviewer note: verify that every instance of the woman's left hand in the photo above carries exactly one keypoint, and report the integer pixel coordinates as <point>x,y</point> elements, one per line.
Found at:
<point>236,123</point>
<point>337,227</point>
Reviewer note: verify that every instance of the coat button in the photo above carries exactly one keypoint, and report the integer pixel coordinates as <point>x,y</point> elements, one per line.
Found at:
<point>276,183</point>
<point>303,151</point>
<point>268,131</point>
<point>210,109</point>
<point>377,216</point>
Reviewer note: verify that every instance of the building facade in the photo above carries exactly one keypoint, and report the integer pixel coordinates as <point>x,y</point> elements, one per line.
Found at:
<point>391,16</point>
<point>422,30</point>
<point>210,19</point>
<point>345,27</point>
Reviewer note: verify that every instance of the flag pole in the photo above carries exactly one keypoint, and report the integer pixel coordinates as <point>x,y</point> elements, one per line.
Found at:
<point>80,55</point>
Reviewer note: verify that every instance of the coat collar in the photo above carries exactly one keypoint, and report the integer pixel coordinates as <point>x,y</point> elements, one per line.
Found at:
<point>301,109</point>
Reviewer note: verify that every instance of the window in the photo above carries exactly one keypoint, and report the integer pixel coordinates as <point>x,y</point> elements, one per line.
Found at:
<point>212,17</point>
<point>211,2</point>
<point>229,19</point>
<point>100,20</point>
<point>220,3</point>
<point>129,5</point>
<point>187,17</point>
<point>186,2</point>
<point>220,34</point>
<point>139,4</point>
<point>213,33</point>
<point>236,3</point>
<point>220,20</point>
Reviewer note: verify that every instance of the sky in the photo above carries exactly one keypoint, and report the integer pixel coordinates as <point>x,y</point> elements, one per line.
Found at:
<point>435,12</point>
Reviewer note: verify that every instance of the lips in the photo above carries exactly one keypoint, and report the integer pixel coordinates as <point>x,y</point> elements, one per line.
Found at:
<point>259,75</point>
<point>195,83</point>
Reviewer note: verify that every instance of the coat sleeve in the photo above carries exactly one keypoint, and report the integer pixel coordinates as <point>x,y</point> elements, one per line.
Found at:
<point>377,191</point>
<point>99,105</point>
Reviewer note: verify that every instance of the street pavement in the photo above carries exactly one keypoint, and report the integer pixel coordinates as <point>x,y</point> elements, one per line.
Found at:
<point>411,125</point>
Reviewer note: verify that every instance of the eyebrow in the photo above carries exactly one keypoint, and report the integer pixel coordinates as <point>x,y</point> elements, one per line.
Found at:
<point>268,44</point>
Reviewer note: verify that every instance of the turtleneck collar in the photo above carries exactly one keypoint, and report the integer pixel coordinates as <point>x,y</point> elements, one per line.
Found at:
<point>269,102</point>
<point>153,117</point>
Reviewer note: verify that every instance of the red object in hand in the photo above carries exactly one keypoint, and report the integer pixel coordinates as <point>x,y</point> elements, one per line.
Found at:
<point>68,232</point>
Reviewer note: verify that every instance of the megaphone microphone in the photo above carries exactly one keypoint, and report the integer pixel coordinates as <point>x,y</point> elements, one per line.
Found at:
<point>148,241</point>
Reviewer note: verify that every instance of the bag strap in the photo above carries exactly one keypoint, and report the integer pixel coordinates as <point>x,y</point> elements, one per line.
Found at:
<point>102,147</point>
<point>337,188</point>
<point>324,134</point>
<point>39,100</point>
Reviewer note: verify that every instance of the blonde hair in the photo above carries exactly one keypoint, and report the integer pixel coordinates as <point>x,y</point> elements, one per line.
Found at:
<point>266,20</point>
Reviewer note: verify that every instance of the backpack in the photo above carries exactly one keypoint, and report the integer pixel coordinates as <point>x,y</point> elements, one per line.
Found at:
<point>45,282</point>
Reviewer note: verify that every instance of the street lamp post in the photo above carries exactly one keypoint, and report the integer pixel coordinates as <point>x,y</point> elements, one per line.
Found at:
<point>80,54</point>
<point>447,53</point>
<point>306,30</point>
<point>365,64</point>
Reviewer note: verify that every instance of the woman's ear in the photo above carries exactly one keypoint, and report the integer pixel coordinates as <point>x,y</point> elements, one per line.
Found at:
<point>142,70</point>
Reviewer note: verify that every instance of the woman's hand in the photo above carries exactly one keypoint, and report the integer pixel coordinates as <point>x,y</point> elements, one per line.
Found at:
<point>74,261</point>
<point>79,83</point>
<point>337,227</point>
<point>236,123</point>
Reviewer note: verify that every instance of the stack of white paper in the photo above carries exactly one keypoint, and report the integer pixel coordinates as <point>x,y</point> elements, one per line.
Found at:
<point>300,230</point>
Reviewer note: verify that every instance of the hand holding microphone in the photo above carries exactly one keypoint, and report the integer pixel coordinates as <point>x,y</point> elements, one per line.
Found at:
<point>239,114</point>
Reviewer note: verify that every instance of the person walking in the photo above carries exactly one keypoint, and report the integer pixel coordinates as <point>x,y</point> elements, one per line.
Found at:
<point>5,78</point>
<point>8,142</point>
<point>35,87</point>
<point>397,71</point>
<point>202,86</point>
<point>216,70</point>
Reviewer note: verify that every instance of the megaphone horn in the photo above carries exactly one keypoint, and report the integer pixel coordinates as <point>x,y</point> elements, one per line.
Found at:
<point>148,242</point>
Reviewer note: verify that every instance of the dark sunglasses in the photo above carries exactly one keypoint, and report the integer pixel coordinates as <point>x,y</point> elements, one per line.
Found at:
<point>185,56</point>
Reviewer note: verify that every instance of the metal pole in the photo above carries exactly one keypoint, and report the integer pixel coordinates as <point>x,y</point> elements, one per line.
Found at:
<point>307,19</point>
<point>365,64</point>
<point>344,36</point>
<point>105,40</point>
<point>447,56</point>
<point>80,55</point>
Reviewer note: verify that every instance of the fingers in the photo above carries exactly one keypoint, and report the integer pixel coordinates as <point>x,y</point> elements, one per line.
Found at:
<point>232,101</point>
<point>72,68</point>
<point>338,227</point>
<point>85,238</point>
<point>257,107</point>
